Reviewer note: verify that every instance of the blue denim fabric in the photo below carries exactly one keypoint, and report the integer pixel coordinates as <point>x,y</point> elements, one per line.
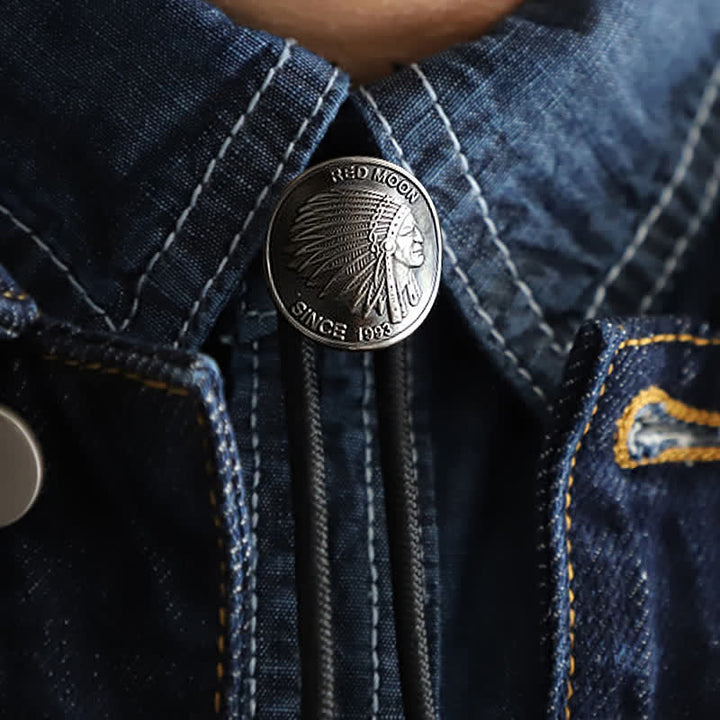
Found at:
<point>110,594</point>
<point>17,309</point>
<point>573,157</point>
<point>632,551</point>
<point>545,145</point>
<point>142,146</point>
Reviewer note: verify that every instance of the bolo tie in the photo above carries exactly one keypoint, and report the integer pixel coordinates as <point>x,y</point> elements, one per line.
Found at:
<point>352,259</point>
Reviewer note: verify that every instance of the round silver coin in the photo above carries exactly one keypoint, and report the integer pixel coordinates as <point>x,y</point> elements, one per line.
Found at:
<point>354,252</point>
<point>22,467</point>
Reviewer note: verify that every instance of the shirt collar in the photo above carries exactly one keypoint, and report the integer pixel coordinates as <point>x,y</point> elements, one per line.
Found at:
<point>144,145</point>
<point>569,153</point>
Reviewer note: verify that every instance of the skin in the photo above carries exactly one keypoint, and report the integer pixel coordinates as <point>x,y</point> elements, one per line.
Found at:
<point>368,37</point>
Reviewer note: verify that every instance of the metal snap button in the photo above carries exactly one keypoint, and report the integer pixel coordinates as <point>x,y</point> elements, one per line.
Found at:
<point>354,252</point>
<point>20,467</point>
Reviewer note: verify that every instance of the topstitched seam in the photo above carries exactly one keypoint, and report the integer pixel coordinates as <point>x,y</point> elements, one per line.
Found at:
<point>209,170</point>
<point>455,264</point>
<point>477,193</point>
<point>627,343</point>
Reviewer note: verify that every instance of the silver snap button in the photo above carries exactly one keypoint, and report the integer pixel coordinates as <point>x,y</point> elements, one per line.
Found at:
<point>20,467</point>
<point>353,254</point>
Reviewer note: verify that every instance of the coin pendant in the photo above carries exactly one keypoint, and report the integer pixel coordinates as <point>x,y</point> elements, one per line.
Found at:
<point>354,252</point>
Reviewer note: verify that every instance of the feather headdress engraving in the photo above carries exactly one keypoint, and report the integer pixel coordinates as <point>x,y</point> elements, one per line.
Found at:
<point>360,245</point>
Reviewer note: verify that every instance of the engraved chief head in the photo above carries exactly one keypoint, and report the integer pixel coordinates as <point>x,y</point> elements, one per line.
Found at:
<point>360,245</point>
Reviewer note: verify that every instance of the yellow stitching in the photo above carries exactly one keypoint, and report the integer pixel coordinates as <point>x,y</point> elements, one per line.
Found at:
<point>154,384</point>
<point>177,391</point>
<point>570,568</point>
<point>96,366</point>
<point>668,338</point>
<point>677,409</point>
<point>220,668</point>
<point>10,295</point>
<point>630,342</point>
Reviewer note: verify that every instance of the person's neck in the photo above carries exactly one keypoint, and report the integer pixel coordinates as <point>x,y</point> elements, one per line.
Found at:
<point>367,38</point>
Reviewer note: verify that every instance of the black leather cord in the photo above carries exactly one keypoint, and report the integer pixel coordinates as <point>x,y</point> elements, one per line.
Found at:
<point>404,532</point>
<point>312,575</point>
<point>313,582</point>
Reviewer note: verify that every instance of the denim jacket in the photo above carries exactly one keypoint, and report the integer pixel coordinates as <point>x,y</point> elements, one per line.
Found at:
<point>566,387</point>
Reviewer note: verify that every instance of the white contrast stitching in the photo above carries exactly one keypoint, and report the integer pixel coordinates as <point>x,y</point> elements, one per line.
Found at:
<point>239,554</point>
<point>686,158</point>
<point>386,126</point>
<point>485,212</point>
<point>711,191</point>
<point>258,313</point>
<point>475,301</point>
<point>60,265</point>
<point>240,122</point>
<point>243,297</point>
<point>254,523</point>
<point>258,202</point>
<point>370,493</point>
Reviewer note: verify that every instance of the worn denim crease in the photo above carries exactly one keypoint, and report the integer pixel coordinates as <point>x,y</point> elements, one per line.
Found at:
<point>258,202</point>
<point>455,264</point>
<point>72,278</point>
<point>477,193</point>
<point>207,175</point>
<point>687,155</point>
